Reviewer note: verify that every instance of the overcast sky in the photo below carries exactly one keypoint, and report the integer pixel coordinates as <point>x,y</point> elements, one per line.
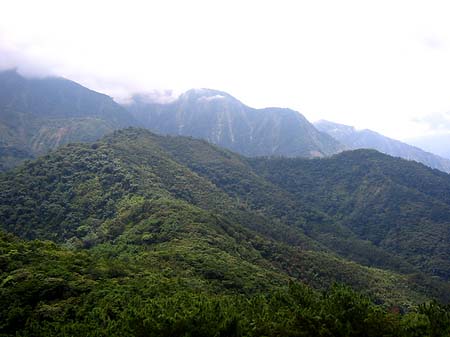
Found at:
<point>383,65</point>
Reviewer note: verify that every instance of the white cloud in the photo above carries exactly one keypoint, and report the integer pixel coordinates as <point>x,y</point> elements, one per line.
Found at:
<point>153,96</point>
<point>211,98</point>
<point>437,122</point>
<point>381,65</point>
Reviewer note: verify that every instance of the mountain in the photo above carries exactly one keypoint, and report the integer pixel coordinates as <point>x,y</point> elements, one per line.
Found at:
<point>438,144</point>
<point>221,119</point>
<point>324,195</point>
<point>39,114</point>
<point>400,206</point>
<point>367,139</point>
<point>140,234</point>
<point>84,195</point>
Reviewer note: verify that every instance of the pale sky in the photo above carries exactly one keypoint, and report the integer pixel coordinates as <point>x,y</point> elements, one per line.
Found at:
<point>383,65</point>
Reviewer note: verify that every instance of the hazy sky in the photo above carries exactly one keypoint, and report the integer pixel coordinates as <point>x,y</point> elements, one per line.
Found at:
<point>383,65</point>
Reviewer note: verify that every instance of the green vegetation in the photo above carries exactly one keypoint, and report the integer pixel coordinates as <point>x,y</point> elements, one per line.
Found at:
<point>399,206</point>
<point>144,235</point>
<point>47,290</point>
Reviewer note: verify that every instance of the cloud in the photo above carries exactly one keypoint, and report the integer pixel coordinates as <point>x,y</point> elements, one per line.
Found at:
<point>32,60</point>
<point>436,121</point>
<point>211,98</point>
<point>23,58</point>
<point>434,42</point>
<point>153,96</point>
<point>327,59</point>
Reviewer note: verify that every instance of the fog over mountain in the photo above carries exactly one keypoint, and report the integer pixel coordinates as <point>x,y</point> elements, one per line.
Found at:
<point>307,56</point>
<point>40,114</point>
<point>223,120</point>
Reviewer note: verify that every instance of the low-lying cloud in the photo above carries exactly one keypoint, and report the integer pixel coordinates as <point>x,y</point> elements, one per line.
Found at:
<point>22,58</point>
<point>211,98</point>
<point>153,96</point>
<point>31,62</point>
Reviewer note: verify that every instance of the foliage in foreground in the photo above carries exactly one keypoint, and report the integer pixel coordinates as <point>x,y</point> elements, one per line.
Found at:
<point>47,290</point>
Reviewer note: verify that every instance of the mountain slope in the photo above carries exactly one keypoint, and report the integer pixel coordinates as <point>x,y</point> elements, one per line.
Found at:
<point>171,236</point>
<point>400,206</point>
<point>223,120</point>
<point>304,207</point>
<point>367,139</point>
<point>143,191</point>
<point>314,200</point>
<point>37,115</point>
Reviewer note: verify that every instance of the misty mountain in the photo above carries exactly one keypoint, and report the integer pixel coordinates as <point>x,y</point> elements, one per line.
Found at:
<point>367,139</point>
<point>438,144</point>
<point>221,119</point>
<point>39,114</point>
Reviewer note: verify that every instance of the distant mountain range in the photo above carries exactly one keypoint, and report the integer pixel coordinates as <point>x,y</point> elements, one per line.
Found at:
<point>367,139</point>
<point>40,114</point>
<point>438,144</point>
<point>223,120</point>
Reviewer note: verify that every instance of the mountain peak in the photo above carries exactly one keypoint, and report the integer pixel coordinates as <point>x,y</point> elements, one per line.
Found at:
<point>220,118</point>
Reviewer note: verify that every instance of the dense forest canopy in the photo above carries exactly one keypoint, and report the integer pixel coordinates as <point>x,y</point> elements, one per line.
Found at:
<point>146,235</point>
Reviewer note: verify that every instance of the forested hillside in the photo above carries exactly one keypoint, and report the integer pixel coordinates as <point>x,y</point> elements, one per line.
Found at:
<point>400,206</point>
<point>170,236</point>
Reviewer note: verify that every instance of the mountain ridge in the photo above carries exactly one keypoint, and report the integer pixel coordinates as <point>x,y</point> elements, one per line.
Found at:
<point>223,120</point>
<point>437,144</point>
<point>358,139</point>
